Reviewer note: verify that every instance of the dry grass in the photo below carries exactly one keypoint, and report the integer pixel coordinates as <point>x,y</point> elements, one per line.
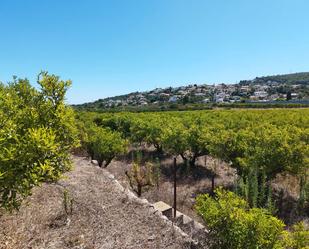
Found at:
<point>103,217</point>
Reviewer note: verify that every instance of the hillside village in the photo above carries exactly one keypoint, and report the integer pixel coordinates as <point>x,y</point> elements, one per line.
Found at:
<point>292,87</point>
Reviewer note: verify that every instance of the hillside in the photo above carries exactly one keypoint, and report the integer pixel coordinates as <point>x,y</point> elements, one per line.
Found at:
<point>290,79</point>
<point>289,87</point>
<point>103,217</point>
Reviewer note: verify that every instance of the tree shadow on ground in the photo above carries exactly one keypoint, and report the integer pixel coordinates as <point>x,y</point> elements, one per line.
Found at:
<point>145,154</point>
<point>186,174</point>
<point>287,207</point>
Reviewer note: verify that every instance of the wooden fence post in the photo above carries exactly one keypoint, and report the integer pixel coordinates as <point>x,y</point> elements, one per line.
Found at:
<point>175,187</point>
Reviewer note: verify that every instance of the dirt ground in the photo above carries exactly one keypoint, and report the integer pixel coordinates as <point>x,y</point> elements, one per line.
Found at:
<point>197,180</point>
<point>102,217</point>
<point>190,182</point>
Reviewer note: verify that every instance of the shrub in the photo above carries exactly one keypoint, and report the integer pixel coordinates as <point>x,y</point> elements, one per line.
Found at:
<point>107,145</point>
<point>297,238</point>
<point>233,225</point>
<point>140,177</point>
<point>67,202</point>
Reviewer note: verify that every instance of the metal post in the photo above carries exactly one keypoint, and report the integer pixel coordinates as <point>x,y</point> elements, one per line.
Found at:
<point>175,186</point>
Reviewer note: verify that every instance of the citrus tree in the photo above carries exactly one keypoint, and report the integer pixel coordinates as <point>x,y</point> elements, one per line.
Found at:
<point>37,132</point>
<point>106,145</point>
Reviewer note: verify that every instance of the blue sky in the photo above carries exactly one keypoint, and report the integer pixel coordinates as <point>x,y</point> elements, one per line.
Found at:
<point>112,47</point>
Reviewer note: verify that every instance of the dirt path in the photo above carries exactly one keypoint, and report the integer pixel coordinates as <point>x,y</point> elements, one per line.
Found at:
<point>103,217</point>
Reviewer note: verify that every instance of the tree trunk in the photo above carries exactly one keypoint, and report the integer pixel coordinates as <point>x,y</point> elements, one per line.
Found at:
<point>91,157</point>
<point>158,148</point>
<point>107,162</point>
<point>192,161</point>
<point>139,190</point>
<point>213,177</point>
<point>184,158</point>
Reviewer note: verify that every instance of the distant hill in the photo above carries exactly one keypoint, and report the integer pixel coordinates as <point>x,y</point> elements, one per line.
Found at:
<point>290,79</point>
<point>267,89</point>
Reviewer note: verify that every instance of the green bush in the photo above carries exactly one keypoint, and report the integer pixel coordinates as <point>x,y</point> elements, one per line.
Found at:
<point>106,145</point>
<point>297,238</point>
<point>233,225</point>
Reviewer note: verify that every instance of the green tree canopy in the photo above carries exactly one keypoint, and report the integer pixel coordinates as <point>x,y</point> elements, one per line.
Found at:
<point>37,131</point>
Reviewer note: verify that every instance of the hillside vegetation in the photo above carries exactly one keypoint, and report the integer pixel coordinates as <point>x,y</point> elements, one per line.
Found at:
<point>279,90</point>
<point>295,78</point>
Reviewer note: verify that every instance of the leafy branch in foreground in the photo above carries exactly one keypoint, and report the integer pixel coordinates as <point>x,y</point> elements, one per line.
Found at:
<point>37,132</point>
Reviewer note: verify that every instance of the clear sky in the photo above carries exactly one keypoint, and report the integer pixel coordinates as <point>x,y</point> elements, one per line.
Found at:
<point>112,47</point>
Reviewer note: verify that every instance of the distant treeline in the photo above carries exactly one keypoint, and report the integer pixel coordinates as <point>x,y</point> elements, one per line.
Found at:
<point>192,107</point>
